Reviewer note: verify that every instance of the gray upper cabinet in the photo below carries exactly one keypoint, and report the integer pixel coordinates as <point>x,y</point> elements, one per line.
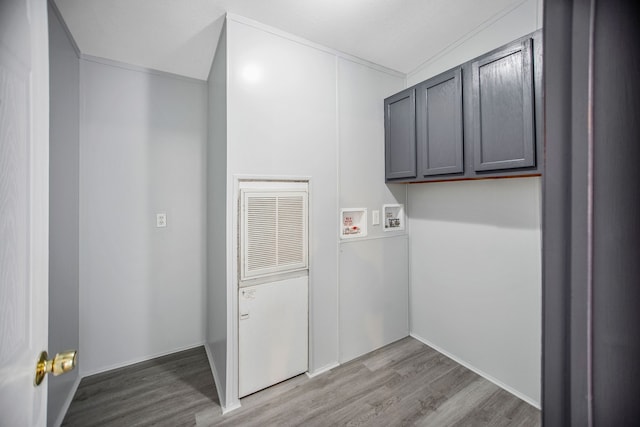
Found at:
<point>439,124</point>
<point>503,115</point>
<point>482,119</point>
<point>400,136</point>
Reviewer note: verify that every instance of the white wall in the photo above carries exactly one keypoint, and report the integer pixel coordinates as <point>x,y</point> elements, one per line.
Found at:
<point>217,222</point>
<point>475,263</point>
<point>373,272</point>
<point>506,27</point>
<point>282,122</point>
<point>284,119</point>
<point>64,71</point>
<point>476,276</point>
<point>374,293</point>
<point>142,151</point>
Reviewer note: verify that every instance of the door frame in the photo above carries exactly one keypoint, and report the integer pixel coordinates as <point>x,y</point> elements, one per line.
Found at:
<point>590,268</point>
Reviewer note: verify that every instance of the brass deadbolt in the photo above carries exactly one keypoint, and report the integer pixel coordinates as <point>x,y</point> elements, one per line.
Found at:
<point>63,362</point>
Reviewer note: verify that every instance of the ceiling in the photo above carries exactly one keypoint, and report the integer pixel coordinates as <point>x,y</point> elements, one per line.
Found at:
<point>179,36</point>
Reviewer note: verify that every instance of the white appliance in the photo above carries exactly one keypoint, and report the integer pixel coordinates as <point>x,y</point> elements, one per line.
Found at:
<point>273,288</point>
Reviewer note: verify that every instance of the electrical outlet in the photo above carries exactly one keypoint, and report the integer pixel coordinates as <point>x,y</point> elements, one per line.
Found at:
<point>375,217</point>
<point>161,220</point>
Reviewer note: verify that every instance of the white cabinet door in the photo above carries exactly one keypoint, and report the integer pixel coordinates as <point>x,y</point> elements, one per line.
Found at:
<point>273,333</point>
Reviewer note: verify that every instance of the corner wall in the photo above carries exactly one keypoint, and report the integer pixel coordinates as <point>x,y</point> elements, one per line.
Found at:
<point>282,122</point>
<point>373,271</point>
<point>476,276</point>
<point>475,250</point>
<point>142,152</point>
<point>298,109</point>
<point>217,222</point>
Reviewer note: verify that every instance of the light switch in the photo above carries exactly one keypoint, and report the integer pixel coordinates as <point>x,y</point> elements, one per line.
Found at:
<point>375,217</point>
<point>161,220</point>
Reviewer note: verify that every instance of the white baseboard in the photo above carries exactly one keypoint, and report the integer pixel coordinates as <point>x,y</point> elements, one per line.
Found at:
<point>67,402</point>
<point>232,407</point>
<point>486,376</point>
<point>322,370</point>
<point>135,360</point>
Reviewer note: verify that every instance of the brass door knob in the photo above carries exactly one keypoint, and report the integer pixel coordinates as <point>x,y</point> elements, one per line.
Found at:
<point>63,362</point>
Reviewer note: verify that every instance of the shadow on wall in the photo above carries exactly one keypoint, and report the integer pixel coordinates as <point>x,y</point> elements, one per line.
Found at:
<point>175,154</point>
<point>505,203</point>
<point>207,36</point>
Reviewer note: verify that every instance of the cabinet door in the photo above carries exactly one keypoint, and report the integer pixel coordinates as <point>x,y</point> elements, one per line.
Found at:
<point>439,124</point>
<point>503,132</point>
<point>400,135</point>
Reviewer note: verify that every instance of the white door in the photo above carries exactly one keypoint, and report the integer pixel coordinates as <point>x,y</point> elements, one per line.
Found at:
<point>24,208</point>
<point>273,333</point>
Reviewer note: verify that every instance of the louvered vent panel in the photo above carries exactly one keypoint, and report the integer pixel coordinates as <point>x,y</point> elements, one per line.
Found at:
<point>261,233</point>
<point>274,232</point>
<point>291,230</point>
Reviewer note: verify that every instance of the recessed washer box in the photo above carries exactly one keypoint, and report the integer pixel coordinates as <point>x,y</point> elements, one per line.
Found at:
<point>393,217</point>
<point>353,222</point>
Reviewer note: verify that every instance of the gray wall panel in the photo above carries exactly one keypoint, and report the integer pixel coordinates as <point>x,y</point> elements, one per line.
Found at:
<point>142,151</point>
<point>217,226</point>
<point>362,293</point>
<point>64,84</point>
<point>373,294</point>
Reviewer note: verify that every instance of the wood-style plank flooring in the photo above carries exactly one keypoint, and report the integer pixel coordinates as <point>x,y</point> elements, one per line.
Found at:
<point>166,391</point>
<point>404,383</point>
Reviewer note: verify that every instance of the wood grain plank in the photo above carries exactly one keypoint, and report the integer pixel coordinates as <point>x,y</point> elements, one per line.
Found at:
<point>165,391</point>
<point>404,383</point>
<point>460,404</point>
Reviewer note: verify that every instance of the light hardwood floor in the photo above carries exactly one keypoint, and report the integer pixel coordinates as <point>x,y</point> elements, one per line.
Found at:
<point>404,383</point>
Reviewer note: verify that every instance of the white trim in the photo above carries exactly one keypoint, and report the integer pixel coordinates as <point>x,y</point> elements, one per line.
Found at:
<point>310,282</point>
<point>227,409</point>
<point>291,178</point>
<point>139,69</point>
<point>409,269</point>
<point>233,234</point>
<point>322,370</point>
<point>67,402</point>
<point>273,278</point>
<point>83,254</point>
<point>140,359</point>
<point>277,32</point>
<point>339,194</point>
<point>368,238</point>
<point>216,381</point>
<point>483,374</point>
<point>233,275</point>
<point>273,185</point>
